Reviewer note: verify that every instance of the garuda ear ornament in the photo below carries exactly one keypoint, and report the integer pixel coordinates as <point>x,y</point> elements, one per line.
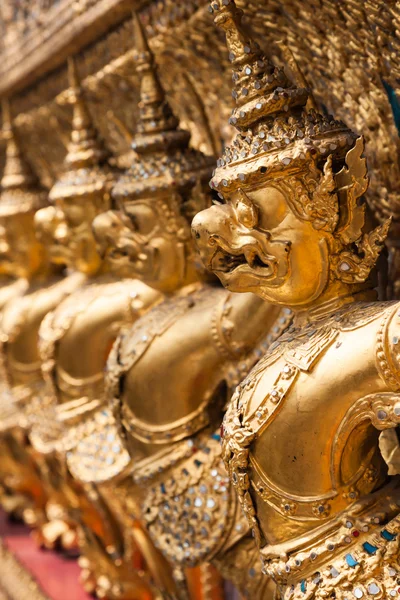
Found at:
<point>357,251</point>
<point>313,196</point>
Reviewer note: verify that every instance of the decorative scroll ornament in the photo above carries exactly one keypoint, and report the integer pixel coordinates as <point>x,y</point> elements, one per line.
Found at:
<point>352,182</point>
<point>324,201</point>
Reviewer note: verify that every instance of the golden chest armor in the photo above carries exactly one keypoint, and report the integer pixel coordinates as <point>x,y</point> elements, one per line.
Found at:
<point>20,322</point>
<point>188,504</point>
<point>329,524</point>
<point>68,399</point>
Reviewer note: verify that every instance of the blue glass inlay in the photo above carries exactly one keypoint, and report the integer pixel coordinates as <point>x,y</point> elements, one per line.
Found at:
<point>351,561</point>
<point>303,586</point>
<point>216,436</point>
<point>198,463</point>
<point>369,548</point>
<point>394,103</point>
<point>162,488</point>
<point>388,536</point>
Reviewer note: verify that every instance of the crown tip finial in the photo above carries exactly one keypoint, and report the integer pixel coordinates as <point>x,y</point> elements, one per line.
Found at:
<point>73,77</point>
<point>216,6</point>
<point>228,16</point>
<point>7,124</point>
<point>141,43</point>
<point>6,112</point>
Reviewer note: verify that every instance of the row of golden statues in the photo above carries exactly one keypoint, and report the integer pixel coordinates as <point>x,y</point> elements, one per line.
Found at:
<point>121,353</point>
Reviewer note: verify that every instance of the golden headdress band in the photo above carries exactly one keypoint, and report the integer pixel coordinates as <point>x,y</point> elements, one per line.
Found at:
<point>275,131</point>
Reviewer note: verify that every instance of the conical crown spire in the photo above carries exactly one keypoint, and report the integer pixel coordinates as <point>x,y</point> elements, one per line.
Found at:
<point>157,124</point>
<point>276,132</point>
<point>85,149</point>
<point>17,172</point>
<point>20,186</point>
<point>259,87</point>
<point>87,170</point>
<point>164,159</point>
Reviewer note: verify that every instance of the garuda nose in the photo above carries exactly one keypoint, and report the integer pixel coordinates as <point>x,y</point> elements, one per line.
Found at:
<point>212,222</point>
<point>199,228</point>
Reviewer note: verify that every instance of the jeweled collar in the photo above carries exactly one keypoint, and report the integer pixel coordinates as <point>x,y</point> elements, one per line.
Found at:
<point>328,308</point>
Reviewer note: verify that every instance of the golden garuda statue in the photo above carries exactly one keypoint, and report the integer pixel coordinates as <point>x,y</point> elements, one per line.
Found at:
<point>17,181</point>
<point>170,374</point>
<point>38,288</point>
<point>301,434</point>
<point>75,339</point>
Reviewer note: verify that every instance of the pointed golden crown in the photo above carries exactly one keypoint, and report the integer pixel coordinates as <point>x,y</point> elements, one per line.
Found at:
<point>164,159</point>
<point>157,123</point>
<point>21,191</point>
<point>87,169</point>
<point>276,132</point>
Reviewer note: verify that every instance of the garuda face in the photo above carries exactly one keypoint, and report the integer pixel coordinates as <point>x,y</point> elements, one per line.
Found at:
<point>149,238</point>
<point>295,240</point>
<point>258,242</point>
<point>66,231</point>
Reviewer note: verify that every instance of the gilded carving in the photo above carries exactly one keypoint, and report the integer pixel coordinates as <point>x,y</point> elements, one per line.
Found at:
<point>120,351</point>
<point>176,473</point>
<point>301,433</point>
<point>75,339</point>
<point>40,287</point>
